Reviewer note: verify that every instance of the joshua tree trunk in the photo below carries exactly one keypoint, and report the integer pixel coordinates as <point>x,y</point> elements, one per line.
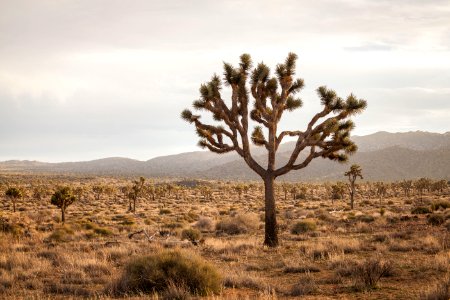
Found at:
<point>129,203</point>
<point>352,194</point>
<point>63,214</point>
<point>271,228</point>
<point>14,204</point>
<point>134,204</point>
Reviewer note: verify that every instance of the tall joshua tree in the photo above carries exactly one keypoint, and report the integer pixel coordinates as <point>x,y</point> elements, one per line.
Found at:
<point>354,172</point>
<point>63,198</point>
<point>13,194</point>
<point>327,134</point>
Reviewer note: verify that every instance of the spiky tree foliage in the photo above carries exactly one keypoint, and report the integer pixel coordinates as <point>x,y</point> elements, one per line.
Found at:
<point>337,191</point>
<point>440,185</point>
<point>98,191</point>
<point>352,174</point>
<point>13,193</point>
<point>63,198</point>
<point>327,135</point>
<point>406,186</point>
<point>381,189</point>
<point>134,193</point>
<point>422,184</point>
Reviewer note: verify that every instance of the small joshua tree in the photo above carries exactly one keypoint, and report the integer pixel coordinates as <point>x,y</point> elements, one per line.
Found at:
<point>63,198</point>
<point>406,186</point>
<point>135,192</point>
<point>354,172</point>
<point>98,191</point>
<point>326,138</point>
<point>13,194</point>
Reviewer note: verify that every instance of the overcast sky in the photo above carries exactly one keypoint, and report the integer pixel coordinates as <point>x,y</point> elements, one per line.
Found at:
<point>81,80</point>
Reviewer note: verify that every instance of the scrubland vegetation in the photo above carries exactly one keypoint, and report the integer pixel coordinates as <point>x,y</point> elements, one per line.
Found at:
<point>165,239</point>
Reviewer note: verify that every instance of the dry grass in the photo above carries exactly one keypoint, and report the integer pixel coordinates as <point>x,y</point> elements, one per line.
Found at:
<point>343,255</point>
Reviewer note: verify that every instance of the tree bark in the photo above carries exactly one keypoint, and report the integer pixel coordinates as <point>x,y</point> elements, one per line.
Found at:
<point>63,215</point>
<point>271,227</point>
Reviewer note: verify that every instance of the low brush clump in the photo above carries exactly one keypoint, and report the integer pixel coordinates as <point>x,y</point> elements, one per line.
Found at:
<point>160,272</point>
<point>303,227</point>
<point>239,224</point>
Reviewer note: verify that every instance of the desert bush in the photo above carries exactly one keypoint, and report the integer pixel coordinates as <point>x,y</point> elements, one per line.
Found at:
<point>305,286</point>
<point>439,292</point>
<point>238,224</point>
<point>369,272</point>
<point>191,234</point>
<point>164,211</point>
<point>242,280</point>
<point>420,210</point>
<point>435,219</point>
<point>62,234</point>
<point>447,225</point>
<point>303,226</point>
<point>204,224</point>
<point>158,272</point>
<point>365,218</point>
<point>444,204</point>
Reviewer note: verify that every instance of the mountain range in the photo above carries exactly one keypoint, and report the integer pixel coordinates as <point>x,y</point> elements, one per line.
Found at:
<point>382,156</point>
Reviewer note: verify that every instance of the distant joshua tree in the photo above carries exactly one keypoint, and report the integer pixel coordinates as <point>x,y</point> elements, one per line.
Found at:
<point>406,186</point>
<point>98,191</point>
<point>337,191</point>
<point>13,194</point>
<point>134,193</point>
<point>327,138</point>
<point>381,190</point>
<point>421,185</point>
<point>354,172</point>
<point>63,198</point>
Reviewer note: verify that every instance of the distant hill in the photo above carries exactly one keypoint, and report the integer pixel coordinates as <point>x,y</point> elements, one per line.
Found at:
<point>382,155</point>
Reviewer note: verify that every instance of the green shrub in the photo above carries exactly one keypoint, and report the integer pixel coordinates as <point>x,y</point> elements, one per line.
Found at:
<point>62,234</point>
<point>161,271</point>
<point>436,219</point>
<point>191,234</point>
<point>303,226</point>
<point>420,210</point>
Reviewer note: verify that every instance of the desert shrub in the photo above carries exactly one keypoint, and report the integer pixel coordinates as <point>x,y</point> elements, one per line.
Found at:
<point>62,234</point>
<point>444,204</point>
<point>164,211</point>
<point>305,286</point>
<point>369,272</point>
<point>204,224</point>
<point>436,219</point>
<point>243,280</point>
<point>161,271</point>
<point>447,225</point>
<point>238,224</point>
<point>303,226</point>
<point>366,218</point>
<point>420,210</point>
<point>440,292</point>
<point>10,227</point>
<point>191,234</point>
<point>103,231</point>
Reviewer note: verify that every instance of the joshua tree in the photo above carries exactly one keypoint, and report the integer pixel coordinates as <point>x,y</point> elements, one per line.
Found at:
<point>135,192</point>
<point>354,172</point>
<point>337,191</point>
<point>381,190</point>
<point>63,198</point>
<point>406,186</point>
<point>421,185</point>
<point>327,134</point>
<point>98,191</point>
<point>13,194</point>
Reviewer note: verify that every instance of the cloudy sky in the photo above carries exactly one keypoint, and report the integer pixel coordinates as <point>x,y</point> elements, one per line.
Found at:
<point>87,79</point>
